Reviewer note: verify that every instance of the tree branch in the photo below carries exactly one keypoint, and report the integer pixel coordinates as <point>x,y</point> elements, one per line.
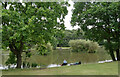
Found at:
<point>13,44</point>
<point>21,44</point>
<point>12,48</point>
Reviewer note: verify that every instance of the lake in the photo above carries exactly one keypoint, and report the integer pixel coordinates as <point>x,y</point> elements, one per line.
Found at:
<point>57,57</point>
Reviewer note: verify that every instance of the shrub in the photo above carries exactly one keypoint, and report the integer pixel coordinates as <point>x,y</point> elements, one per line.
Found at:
<point>49,47</point>
<point>34,65</point>
<point>54,43</point>
<point>44,49</point>
<point>11,59</point>
<point>83,46</point>
<point>28,54</point>
<point>28,65</point>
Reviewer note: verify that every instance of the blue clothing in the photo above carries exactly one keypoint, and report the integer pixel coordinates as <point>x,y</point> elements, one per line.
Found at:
<point>64,61</point>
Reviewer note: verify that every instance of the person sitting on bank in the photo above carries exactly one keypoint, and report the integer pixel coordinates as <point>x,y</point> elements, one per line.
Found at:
<point>64,63</point>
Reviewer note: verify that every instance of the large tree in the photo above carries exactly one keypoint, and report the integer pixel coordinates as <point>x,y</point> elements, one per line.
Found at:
<point>100,22</point>
<point>25,24</point>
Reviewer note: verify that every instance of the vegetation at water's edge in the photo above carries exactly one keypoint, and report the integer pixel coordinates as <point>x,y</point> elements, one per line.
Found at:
<point>83,46</point>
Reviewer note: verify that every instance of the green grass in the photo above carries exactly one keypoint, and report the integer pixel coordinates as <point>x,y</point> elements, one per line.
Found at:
<point>83,69</point>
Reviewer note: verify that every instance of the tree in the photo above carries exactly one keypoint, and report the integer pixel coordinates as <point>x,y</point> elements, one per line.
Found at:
<point>69,35</point>
<point>30,23</point>
<point>100,22</point>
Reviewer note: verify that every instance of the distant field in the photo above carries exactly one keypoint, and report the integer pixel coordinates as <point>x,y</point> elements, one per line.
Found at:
<point>83,69</point>
<point>63,47</point>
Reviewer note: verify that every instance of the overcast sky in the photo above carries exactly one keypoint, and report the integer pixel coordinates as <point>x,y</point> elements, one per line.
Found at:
<point>68,17</point>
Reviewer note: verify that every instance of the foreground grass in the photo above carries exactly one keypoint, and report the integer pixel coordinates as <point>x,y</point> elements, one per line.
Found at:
<point>83,69</point>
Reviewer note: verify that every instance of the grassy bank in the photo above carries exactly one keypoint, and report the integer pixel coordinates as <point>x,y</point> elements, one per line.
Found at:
<point>83,69</point>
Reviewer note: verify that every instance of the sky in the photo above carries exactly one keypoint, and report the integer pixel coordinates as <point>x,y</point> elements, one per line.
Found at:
<point>68,17</point>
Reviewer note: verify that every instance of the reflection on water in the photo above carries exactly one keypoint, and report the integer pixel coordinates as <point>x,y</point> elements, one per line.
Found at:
<point>57,57</point>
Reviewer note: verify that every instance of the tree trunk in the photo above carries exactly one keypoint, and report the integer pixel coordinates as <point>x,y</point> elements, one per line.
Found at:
<point>19,60</point>
<point>112,55</point>
<point>111,49</point>
<point>17,51</point>
<point>118,54</point>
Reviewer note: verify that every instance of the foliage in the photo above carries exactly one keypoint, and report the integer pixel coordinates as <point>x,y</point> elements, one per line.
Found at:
<point>83,46</point>
<point>54,42</point>
<point>100,22</point>
<point>49,47</point>
<point>28,54</point>
<point>23,24</point>
<point>11,59</point>
<point>59,36</point>
<point>34,65</point>
<point>70,35</point>
<point>44,49</point>
<point>28,65</point>
<point>30,23</point>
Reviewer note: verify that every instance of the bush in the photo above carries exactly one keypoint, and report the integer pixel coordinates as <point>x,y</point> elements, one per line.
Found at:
<point>49,47</point>
<point>11,59</point>
<point>83,46</point>
<point>54,43</point>
<point>28,54</point>
<point>34,65</point>
<point>44,49</point>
